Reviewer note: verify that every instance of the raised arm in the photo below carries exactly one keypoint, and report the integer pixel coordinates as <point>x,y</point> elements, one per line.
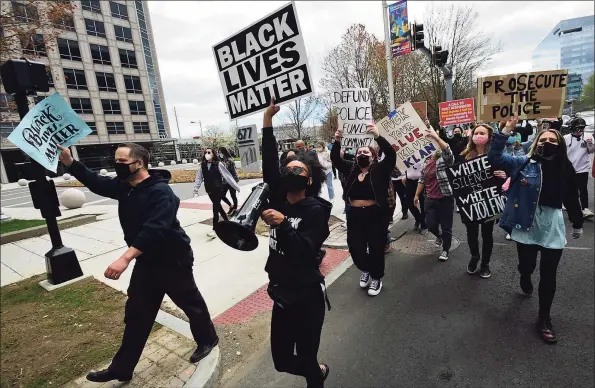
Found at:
<point>270,158</point>
<point>390,155</point>
<point>496,156</point>
<point>340,164</point>
<point>100,185</point>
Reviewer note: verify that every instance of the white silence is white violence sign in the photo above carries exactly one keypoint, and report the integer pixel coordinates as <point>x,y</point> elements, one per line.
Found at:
<point>267,59</point>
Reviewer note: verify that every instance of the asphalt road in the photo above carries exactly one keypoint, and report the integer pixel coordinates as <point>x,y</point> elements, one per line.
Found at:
<point>20,197</point>
<point>433,325</point>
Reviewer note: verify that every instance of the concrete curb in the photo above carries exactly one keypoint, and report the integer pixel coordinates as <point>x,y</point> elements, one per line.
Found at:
<point>37,231</point>
<point>206,370</point>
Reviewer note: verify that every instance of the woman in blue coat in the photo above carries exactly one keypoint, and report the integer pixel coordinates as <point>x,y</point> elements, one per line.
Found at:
<point>540,183</point>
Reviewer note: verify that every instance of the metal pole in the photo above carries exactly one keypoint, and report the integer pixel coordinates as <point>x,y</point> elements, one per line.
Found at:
<point>389,58</point>
<point>177,125</point>
<point>200,123</point>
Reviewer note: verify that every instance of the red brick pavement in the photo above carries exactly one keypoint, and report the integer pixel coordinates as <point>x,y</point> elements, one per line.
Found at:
<point>259,300</point>
<point>192,205</point>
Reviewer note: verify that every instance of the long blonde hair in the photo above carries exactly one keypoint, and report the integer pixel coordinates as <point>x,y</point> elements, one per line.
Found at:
<point>471,150</point>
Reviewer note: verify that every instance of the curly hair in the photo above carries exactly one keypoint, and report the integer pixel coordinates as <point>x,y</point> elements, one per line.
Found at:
<point>315,171</point>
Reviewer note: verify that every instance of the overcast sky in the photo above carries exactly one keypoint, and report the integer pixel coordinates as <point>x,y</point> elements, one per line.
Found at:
<point>185,32</point>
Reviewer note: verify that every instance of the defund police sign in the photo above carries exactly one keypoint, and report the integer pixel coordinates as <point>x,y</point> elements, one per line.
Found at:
<point>267,59</point>
<point>51,122</point>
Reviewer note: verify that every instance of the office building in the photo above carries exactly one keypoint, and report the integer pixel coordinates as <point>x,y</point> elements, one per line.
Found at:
<point>104,64</point>
<point>569,46</point>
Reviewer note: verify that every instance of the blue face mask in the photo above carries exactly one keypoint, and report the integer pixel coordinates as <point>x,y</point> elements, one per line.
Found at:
<point>511,140</point>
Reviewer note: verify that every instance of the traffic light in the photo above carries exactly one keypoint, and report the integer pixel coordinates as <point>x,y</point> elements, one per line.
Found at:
<point>417,36</point>
<point>439,57</point>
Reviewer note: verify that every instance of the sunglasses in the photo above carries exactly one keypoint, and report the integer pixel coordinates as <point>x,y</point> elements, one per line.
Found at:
<point>296,170</point>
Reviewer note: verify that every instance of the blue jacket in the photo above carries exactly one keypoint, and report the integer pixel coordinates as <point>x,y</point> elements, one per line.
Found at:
<point>525,188</point>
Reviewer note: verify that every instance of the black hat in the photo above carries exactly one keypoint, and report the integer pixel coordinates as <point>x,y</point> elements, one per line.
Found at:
<point>577,123</point>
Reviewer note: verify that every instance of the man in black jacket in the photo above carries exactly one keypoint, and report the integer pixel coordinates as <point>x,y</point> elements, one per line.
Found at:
<point>147,208</point>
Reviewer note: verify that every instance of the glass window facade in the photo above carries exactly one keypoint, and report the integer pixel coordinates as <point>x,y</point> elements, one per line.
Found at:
<point>144,33</point>
<point>569,46</point>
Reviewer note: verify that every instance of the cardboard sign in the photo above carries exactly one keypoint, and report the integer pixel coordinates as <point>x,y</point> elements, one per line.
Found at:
<point>457,112</point>
<point>400,37</point>
<point>406,131</point>
<point>530,95</point>
<point>264,60</point>
<point>421,108</point>
<point>477,191</point>
<point>51,122</point>
<point>354,114</point>
<point>247,138</point>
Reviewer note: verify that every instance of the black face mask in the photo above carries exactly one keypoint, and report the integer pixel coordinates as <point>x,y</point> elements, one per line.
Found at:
<point>123,171</point>
<point>546,151</point>
<point>292,182</point>
<point>458,135</point>
<point>363,161</point>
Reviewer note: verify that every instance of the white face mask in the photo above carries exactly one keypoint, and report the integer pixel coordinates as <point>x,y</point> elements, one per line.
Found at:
<point>208,156</point>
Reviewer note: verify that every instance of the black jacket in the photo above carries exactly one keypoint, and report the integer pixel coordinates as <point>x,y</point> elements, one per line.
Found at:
<point>147,212</point>
<point>295,244</point>
<point>380,172</point>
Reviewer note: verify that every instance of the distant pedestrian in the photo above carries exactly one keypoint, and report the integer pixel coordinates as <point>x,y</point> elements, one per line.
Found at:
<point>540,183</point>
<point>580,146</point>
<point>147,208</point>
<point>215,176</point>
<point>324,157</point>
<point>439,202</point>
<point>230,165</point>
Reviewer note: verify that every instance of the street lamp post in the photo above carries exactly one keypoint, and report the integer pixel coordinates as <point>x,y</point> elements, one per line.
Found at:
<point>199,123</point>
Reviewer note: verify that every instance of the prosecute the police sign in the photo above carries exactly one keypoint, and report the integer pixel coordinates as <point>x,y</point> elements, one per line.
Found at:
<point>267,59</point>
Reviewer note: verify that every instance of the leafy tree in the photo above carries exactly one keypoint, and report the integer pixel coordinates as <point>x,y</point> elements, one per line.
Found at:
<point>586,100</point>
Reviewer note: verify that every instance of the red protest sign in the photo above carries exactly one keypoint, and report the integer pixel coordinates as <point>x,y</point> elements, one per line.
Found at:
<point>457,112</point>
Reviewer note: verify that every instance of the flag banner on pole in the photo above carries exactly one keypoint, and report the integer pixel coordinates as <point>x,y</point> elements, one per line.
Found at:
<point>400,37</point>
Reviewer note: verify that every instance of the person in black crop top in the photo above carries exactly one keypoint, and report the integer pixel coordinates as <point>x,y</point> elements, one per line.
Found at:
<point>366,190</point>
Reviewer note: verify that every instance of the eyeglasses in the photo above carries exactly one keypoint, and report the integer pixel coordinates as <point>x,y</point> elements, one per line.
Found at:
<point>296,170</point>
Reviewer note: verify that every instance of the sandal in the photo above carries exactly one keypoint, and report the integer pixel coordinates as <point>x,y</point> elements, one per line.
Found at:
<point>325,372</point>
<point>546,330</point>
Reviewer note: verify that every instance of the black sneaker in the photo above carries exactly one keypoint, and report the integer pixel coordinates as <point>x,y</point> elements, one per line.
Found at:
<point>405,216</point>
<point>438,242</point>
<point>484,272</point>
<point>526,284</point>
<point>364,279</point>
<point>443,256</point>
<point>103,376</point>
<point>375,287</point>
<point>472,266</point>
<point>417,226</point>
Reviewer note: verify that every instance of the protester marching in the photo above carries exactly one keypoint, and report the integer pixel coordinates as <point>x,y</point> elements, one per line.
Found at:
<point>497,155</point>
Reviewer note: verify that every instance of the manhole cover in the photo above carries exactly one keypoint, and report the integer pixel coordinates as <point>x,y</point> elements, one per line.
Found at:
<point>417,244</point>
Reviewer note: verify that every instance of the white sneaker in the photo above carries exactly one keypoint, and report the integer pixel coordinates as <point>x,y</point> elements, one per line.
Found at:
<point>563,207</point>
<point>508,237</point>
<point>375,287</point>
<point>443,256</point>
<point>211,234</point>
<point>364,280</point>
<point>588,213</point>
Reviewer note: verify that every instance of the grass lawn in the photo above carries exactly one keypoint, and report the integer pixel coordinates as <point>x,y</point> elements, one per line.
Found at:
<point>51,338</point>
<point>16,224</point>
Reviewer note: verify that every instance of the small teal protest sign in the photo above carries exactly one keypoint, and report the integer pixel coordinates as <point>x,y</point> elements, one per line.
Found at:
<point>51,122</point>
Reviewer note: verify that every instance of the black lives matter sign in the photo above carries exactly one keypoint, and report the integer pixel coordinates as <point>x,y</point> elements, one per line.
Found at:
<point>267,59</point>
<point>477,191</point>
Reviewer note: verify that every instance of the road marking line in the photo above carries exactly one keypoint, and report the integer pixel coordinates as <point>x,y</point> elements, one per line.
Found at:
<point>99,200</point>
<point>18,204</point>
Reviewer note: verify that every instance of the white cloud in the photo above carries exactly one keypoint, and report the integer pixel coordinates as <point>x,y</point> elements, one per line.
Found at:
<point>185,32</point>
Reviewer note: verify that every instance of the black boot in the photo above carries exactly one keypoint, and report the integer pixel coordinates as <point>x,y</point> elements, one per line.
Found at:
<point>526,284</point>
<point>202,351</point>
<point>103,376</point>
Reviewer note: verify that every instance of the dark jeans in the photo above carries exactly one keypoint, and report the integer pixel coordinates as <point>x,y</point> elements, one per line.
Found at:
<point>299,326</point>
<point>439,215</point>
<point>402,193</point>
<point>548,269</point>
<point>582,181</point>
<point>216,198</point>
<point>487,237</point>
<point>418,214</point>
<point>148,285</point>
<point>366,238</point>
<point>232,194</point>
